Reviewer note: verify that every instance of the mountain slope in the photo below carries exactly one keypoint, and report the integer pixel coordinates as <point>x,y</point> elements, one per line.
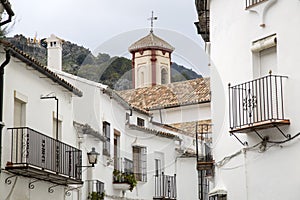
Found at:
<point>78,60</point>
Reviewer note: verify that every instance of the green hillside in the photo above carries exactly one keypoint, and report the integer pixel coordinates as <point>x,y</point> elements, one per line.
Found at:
<point>78,60</point>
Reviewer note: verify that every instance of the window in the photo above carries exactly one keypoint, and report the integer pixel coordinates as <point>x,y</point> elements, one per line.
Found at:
<point>158,170</point>
<point>128,118</point>
<point>128,166</point>
<point>158,163</point>
<point>264,56</point>
<point>142,79</point>
<point>19,113</point>
<point>164,76</point>
<point>19,121</point>
<point>106,144</point>
<point>203,187</point>
<point>117,150</point>
<point>218,197</point>
<point>140,122</point>
<point>140,163</point>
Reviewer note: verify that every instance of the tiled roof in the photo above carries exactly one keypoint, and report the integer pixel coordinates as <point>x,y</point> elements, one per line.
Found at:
<point>204,126</point>
<point>15,52</point>
<point>88,130</point>
<point>150,41</point>
<point>171,95</point>
<point>153,131</point>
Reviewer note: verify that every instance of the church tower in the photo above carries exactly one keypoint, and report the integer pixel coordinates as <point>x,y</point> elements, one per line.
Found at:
<point>54,51</point>
<point>151,60</point>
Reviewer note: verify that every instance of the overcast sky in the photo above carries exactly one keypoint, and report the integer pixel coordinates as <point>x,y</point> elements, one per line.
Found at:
<point>92,23</point>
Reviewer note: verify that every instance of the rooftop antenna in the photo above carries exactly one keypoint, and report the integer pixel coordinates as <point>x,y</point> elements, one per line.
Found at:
<point>152,18</point>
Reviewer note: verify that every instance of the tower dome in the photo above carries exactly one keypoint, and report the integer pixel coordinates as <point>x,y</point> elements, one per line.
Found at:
<point>151,41</point>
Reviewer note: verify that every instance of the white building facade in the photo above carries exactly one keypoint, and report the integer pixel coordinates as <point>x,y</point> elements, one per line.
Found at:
<point>254,52</point>
<point>39,151</point>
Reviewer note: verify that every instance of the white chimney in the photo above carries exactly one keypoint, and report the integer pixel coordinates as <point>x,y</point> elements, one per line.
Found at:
<point>54,52</point>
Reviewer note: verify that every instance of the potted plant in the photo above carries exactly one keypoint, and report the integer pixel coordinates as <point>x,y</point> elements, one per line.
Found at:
<point>127,178</point>
<point>96,196</point>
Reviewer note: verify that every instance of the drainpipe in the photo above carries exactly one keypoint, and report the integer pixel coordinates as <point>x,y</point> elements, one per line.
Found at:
<point>7,59</point>
<point>6,5</point>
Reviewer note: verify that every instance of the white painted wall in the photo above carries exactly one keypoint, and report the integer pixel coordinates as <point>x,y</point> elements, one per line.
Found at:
<point>108,109</point>
<point>182,114</point>
<point>39,116</point>
<point>143,67</point>
<point>255,175</point>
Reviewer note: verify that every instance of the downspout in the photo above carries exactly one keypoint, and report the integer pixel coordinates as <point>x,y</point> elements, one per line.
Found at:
<point>7,59</point>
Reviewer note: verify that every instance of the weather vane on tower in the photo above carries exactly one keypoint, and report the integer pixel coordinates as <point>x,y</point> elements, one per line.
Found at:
<point>152,18</point>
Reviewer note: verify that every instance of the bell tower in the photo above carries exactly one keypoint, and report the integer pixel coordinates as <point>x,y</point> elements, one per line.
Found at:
<point>151,60</point>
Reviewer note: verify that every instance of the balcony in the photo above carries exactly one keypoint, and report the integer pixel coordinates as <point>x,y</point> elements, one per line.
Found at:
<point>203,143</point>
<point>38,156</point>
<point>257,104</point>
<point>165,187</point>
<point>250,3</point>
<point>203,16</point>
<point>95,189</point>
<point>123,177</point>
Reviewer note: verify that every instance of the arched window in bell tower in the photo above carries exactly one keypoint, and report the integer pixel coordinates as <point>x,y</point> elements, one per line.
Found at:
<point>164,76</point>
<point>142,79</point>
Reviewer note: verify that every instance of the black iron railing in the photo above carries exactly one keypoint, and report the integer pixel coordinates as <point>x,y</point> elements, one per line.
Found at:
<point>250,3</point>
<point>95,189</point>
<point>256,101</point>
<point>124,170</point>
<point>203,143</point>
<point>34,149</point>
<point>165,186</point>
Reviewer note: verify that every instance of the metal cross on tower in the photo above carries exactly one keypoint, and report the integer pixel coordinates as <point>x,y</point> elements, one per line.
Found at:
<point>152,18</point>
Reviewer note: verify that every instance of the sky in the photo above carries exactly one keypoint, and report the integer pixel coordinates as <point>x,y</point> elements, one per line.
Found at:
<point>98,24</point>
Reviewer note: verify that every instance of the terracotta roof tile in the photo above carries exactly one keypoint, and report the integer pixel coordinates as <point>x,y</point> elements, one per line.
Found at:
<point>150,41</point>
<point>171,95</point>
<point>204,126</point>
<point>153,131</point>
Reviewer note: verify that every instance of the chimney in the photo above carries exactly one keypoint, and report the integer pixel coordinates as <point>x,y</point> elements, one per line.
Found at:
<point>54,52</point>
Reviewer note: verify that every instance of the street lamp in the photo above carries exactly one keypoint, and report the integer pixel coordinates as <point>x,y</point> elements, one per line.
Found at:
<point>92,157</point>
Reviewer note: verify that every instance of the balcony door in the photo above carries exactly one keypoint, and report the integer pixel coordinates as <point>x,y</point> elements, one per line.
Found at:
<point>268,61</point>
<point>158,163</point>
<point>117,159</point>
<point>19,113</point>
<point>19,138</point>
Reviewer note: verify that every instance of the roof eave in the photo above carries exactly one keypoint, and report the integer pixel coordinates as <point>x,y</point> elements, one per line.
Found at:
<point>41,69</point>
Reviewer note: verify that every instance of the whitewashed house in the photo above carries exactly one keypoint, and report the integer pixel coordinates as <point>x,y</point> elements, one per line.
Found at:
<point>254,49</point>
<point>49,131</point>
<point>39,152</point>
<point>132,138</point>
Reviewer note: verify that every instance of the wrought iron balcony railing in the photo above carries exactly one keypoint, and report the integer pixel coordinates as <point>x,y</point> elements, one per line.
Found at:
<point>257,104</point>
<point>39,156</point>
<point>95,189</point>
<point>165,186</point>
<point>203,143</point>
<point>250,3</point>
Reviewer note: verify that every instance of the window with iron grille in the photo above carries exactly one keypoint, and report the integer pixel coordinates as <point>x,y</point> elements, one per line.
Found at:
<point>95,189</point>
<point>218,197</point>
<point>140,122</point>
<point>128,166</point>
<point>106,133</point>
<point>140,163</point>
